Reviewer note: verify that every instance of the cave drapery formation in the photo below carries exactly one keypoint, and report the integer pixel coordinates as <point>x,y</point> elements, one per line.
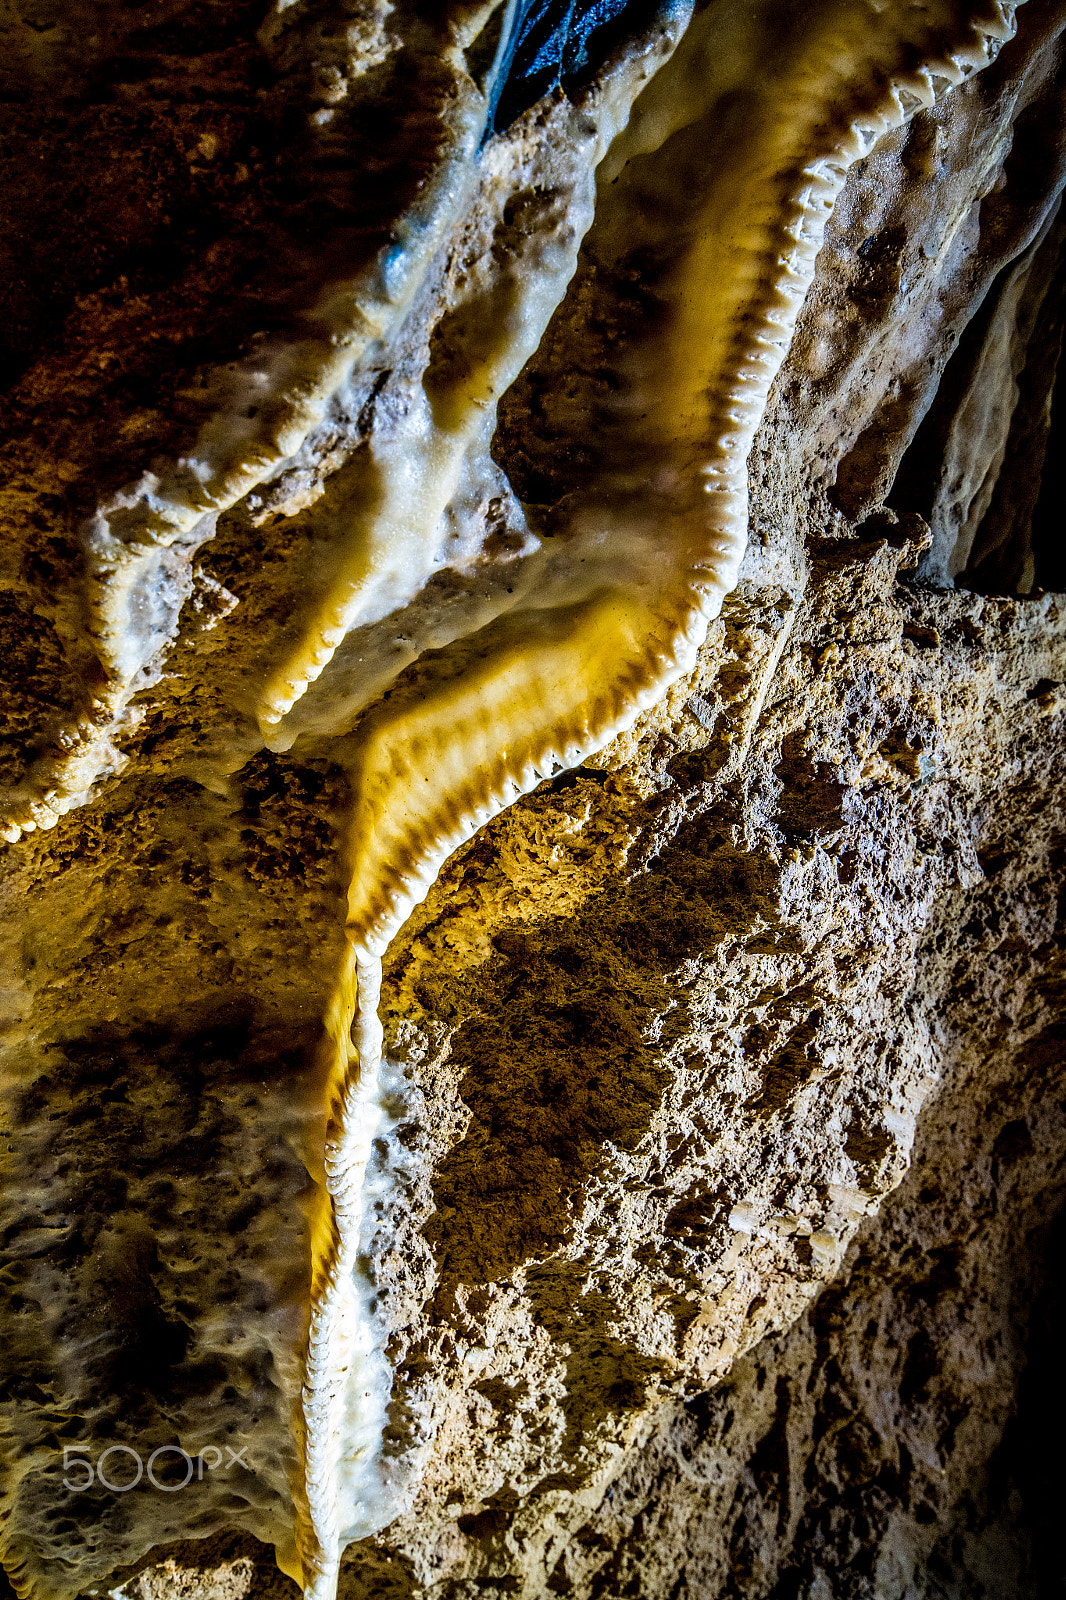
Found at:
<point>534,700</point>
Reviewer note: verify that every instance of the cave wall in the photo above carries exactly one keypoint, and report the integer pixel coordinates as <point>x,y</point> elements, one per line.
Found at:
<point>715,1223</point>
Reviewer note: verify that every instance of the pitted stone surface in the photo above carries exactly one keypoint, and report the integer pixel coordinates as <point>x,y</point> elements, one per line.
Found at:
<point>759,997</point>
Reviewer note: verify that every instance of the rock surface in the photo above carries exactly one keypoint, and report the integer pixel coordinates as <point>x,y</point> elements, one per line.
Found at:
<point>721,1250</point>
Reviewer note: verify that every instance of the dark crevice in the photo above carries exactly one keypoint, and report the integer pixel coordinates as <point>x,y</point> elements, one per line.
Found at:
<point>560,44</point>
<point>1049,546</point>
<point>993,502</point>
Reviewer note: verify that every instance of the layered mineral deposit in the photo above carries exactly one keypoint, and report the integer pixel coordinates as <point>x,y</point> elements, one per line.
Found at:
<point>530,772</point>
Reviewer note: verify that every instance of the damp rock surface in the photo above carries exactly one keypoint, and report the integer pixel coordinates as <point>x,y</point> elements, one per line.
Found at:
<point>711,1234</point>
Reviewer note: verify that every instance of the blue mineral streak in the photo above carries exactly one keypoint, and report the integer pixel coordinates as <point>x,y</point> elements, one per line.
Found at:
<point>558,44</point>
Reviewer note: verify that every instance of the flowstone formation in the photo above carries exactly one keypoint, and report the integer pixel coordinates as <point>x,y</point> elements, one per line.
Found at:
<point>533,717</point>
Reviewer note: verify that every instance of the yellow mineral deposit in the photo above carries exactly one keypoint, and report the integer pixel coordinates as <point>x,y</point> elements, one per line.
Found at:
<point>551,682</point>
<point>731,133</point>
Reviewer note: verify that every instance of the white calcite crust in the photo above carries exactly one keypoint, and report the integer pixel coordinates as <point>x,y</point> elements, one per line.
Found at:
<point>442,641</point>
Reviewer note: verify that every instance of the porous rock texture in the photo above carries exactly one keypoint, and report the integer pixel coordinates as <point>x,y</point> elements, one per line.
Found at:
<point>717,1233</point>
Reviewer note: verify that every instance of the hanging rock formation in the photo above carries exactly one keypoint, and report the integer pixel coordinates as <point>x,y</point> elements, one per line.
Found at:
<point>530,779</point>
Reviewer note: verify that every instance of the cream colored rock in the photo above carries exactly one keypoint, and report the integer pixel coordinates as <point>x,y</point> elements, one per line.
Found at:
<point>652,1047</point>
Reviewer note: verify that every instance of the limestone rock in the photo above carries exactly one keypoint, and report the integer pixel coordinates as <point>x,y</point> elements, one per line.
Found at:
<point>760,996</point>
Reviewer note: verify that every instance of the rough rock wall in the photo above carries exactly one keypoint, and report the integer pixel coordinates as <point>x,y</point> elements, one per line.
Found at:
<point>666,1034</point>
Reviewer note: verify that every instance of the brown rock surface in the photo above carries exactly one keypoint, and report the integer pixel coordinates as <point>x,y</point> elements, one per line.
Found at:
<point>720,1246</point>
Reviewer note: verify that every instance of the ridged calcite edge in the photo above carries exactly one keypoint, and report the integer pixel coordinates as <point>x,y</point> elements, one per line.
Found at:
<point>429,774</point>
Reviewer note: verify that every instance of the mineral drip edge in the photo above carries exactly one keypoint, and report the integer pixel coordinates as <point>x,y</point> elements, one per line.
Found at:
<point>338,1332</point>
<point>348,1379</point>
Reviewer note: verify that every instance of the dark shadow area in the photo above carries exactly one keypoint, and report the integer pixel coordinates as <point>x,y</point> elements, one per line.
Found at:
<point>199,1560</point>
<point>991,491</point>
<point>560,1057</point>
<point>154,1260</point>
<point>1048,541</point>
<point>555,1065</point>
<point>1030,1459</point>
<point>561,44</point>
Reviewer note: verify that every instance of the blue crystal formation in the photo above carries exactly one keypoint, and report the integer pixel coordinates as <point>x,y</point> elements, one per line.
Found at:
<point>559,44</point>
